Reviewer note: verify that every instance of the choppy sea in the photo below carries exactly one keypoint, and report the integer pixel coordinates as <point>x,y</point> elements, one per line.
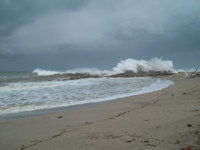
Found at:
<point>26,91</point>
<point>46,90</point>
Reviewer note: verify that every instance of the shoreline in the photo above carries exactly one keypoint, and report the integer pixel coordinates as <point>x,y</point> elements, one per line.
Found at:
<point>165,119</point>
<point>45,111</point>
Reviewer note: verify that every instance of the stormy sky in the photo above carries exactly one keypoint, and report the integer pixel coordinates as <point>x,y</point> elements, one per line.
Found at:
<point>66,34</point>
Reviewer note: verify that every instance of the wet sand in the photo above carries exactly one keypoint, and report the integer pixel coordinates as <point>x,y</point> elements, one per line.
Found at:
<point>161,120</point>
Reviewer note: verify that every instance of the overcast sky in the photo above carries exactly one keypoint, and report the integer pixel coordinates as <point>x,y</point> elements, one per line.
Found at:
<point>66,34</point>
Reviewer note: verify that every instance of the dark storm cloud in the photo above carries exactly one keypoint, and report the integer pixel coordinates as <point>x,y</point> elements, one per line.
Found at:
<point>69,29</point>
<point>16,13</point>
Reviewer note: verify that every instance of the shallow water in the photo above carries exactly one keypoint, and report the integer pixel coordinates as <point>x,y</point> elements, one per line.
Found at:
<point>27,95</point>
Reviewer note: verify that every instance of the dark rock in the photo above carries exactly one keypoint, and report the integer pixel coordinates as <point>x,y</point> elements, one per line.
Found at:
<point>65,79</point>
<point>142,74</point>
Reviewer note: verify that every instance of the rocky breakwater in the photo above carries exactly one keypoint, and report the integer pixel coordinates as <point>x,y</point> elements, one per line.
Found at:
<point>71,76</point>
<point>143,74</point>
<point>61,77</point>
<point>126,74</point>
<point>76,76</point>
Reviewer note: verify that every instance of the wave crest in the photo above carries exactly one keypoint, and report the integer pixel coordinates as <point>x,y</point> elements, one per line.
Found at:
<point>91,71</point>
<point>155,64</point>
<point>42,72</point>
<point>134,65</point>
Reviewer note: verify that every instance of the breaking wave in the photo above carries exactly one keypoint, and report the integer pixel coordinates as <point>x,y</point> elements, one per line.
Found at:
<point>28,96</point>
<point>42,72</point>
<point>91,71</point>
<point>154,64</point>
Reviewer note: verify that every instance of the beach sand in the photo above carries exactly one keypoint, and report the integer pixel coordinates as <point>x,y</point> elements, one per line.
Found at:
<point>163,120</point>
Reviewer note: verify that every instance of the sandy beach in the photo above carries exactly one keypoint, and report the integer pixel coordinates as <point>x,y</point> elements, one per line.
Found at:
<point>161,120</point>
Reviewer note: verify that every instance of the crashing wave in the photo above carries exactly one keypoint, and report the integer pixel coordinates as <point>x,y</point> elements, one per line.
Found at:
<point>136,66</point>
<point>91,71</point>
<point>42,72</point>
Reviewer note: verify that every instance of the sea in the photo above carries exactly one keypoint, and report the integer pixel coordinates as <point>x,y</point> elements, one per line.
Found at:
<point>44,91</point>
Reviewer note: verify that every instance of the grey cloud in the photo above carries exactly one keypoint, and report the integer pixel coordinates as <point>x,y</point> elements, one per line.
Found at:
<point>129,28</point>
<point>16,13</point>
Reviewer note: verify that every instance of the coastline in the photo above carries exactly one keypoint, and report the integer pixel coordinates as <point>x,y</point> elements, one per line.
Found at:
<point>165,119</point>
<point>14,113</point>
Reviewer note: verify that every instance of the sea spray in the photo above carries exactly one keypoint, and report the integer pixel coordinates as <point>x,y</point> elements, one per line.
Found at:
<point>91,71</point>
<point>154,64</point>
<point>41,89</point>
<point>42,72</point>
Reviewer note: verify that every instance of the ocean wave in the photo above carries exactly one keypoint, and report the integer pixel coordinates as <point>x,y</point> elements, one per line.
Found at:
<point>30,96</point>
<point>42,72</point>
<point>91,71</point>
<point>134,65</point>
<point>155,64</point>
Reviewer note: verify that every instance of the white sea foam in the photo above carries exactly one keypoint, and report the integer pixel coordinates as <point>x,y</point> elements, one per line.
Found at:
<point>28,96</point>
<point>155,64</point>
<point>42,72</point>
<point>91,71</point>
